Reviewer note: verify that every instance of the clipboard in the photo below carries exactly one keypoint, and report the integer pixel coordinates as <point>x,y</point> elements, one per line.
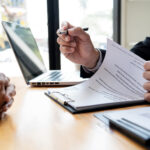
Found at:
<point>102,107</point>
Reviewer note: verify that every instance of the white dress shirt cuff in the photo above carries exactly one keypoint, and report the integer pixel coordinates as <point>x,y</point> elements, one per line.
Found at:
<point>93,70</point>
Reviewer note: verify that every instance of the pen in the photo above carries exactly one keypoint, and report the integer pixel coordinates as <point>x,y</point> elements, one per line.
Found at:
<point>66,31</point>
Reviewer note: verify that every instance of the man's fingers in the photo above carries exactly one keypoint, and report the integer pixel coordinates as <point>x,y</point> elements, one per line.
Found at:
<point>147,97</point>
<point>66,25</point>
<point>67,49</point>
<point>80,33</point>
<point>65,37</point>
<point>147,66</point>
<point>146,75</point>
<point>146,86</point>
<point>64,43</point>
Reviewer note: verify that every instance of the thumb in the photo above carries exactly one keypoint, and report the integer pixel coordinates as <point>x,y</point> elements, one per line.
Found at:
<point>66,25</point>
<point>78,32</point>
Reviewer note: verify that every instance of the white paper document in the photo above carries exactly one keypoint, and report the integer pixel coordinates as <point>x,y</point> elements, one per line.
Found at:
<point>118,80</point>
<point>138,116</point>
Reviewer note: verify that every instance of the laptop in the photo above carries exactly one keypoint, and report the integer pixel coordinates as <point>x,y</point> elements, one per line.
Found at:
<point>30,60</point>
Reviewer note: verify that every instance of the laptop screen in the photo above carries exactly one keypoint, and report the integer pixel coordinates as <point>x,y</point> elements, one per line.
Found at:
<point>25,49</point>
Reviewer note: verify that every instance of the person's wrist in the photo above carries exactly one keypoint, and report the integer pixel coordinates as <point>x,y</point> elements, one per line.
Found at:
<point>94,57</point>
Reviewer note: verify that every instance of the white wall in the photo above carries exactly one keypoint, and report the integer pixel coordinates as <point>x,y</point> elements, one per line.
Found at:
<point>135,21</point>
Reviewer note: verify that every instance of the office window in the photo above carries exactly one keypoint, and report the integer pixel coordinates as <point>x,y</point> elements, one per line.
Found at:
<point>26,13</point>
<point>95,14</point>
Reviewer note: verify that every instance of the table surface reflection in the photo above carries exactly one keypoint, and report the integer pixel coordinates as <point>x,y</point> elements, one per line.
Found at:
<point>35,122</point>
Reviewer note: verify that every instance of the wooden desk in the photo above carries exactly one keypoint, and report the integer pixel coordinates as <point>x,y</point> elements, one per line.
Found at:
<point>34,122</point>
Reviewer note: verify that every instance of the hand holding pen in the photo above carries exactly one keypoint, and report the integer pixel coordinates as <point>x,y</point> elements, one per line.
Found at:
<point>76,45</point>
<point>66,31</point>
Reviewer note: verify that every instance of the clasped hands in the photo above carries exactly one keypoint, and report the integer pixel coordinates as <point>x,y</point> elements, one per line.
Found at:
<point>7,92</point>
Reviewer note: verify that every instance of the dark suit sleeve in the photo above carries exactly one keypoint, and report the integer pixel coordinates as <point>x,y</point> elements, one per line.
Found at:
<point>142,49</point>
<point>88,75</point>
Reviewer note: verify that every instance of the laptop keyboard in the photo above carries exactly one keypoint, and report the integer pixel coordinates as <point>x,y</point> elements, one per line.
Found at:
<point>53,76</point>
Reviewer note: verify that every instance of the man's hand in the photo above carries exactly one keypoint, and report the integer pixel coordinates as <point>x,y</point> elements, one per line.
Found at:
<point>77,46</point>
<point>146,75</point>
<point>7,92</point>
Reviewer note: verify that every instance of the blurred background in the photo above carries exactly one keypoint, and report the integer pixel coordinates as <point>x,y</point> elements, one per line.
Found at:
<point>95,14</point>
